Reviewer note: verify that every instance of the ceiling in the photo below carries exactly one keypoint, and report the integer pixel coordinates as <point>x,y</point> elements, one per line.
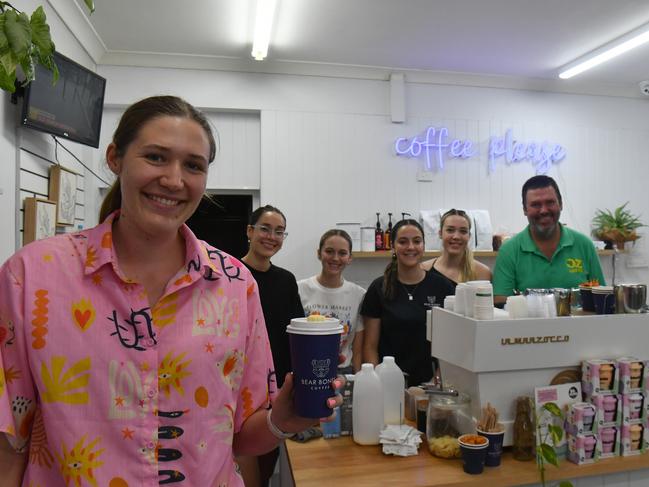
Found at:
<point>492,42</point>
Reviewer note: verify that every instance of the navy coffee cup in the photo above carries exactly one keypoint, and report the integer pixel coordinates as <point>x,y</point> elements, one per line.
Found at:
<point>604,300</point>
<point>314,358</point>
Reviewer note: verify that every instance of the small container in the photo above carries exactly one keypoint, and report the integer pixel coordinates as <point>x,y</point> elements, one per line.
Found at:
<point>635,434</point>
<point>575,300</point>
<point>607,437</point>
<point>422,411</point>
<point>331,429</point>
<point>562,300</point>
<point>474,452</point>
<point>610,408</point>
<point>636,369</point>
<point>448,417</point>
<point>524,448</point>
<point>635,406</point>
<point>589,446</point>
<point>587,303</point>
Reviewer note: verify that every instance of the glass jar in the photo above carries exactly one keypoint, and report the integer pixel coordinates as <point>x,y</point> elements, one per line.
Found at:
<point>448,417</point>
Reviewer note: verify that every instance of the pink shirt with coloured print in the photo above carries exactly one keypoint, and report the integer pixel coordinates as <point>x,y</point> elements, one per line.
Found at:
<point>116,394</point>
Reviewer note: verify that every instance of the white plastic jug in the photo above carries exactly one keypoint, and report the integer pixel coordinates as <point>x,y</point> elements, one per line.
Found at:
<point>394,386</point>
<point>367,406</point>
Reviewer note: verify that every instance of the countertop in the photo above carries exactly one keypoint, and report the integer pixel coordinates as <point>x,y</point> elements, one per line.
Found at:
<point>341,462</point>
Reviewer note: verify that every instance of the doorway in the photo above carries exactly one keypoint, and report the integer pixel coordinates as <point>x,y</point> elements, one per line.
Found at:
<point>221,220</point>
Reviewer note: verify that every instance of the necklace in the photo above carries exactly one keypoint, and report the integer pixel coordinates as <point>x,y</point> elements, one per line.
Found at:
<point>410,292</point>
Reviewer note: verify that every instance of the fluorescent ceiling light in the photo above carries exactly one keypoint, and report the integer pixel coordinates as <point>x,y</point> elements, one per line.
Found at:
<point>263,26</point>
<point>608,51</point>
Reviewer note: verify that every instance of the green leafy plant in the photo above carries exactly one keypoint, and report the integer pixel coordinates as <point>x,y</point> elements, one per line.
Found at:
<point>618,225</point>
<point>545,452</point>
<point>25,41</point>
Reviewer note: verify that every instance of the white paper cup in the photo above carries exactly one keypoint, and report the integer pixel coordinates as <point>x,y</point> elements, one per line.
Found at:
<point>460,298</point>
<point>516,307</point>
<point>449,303</point>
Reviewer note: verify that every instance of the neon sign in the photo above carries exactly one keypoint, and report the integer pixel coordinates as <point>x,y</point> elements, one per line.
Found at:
<point>436,147</point>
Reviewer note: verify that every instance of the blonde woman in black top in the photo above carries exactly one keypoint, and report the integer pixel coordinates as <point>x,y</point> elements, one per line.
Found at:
<point>456,262</point>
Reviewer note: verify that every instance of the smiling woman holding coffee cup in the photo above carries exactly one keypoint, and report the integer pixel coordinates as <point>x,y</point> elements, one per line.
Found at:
<point>394,308</point>
<point>181,384</point>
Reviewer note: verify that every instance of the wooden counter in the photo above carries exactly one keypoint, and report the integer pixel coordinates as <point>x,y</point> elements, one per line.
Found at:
<point>343,463</point>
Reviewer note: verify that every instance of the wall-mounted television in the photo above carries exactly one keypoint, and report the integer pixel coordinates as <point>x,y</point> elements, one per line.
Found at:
<point>72,108</point>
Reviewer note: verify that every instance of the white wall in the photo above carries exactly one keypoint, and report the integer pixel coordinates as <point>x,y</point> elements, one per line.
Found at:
<point>12,138</point>
<point>326,149</point>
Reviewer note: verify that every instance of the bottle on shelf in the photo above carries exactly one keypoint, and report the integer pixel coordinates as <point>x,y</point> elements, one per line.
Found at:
<point>378,234</point>
<point>387,239</point>
<point>394,386</point>
<point>524,440</point>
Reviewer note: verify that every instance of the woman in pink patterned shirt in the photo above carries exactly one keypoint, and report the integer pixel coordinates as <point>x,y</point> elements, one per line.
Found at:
<point>131,353</point>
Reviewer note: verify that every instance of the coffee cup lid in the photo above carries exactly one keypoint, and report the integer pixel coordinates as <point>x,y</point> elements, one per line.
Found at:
<point>602,289</point>
<point>301,326</point>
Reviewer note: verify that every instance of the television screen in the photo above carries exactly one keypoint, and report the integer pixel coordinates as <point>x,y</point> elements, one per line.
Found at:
<point>72,108</point>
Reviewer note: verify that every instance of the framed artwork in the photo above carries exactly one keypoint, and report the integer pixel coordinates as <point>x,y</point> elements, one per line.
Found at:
<point>40,219</point>
<point>63,191</point>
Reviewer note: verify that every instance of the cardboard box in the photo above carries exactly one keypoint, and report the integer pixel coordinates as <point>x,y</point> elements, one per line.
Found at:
<point>634,408</point>
<point>608,411</point>
<point>633,375</point>
<point>633,439</point>
<point>608,442</point>
<point>580,419</point>
<point>582,449</point>
<point>563,395</point>
<point>599,377</point>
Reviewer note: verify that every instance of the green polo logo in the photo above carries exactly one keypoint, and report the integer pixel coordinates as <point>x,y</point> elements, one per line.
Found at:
<point>575,265</point>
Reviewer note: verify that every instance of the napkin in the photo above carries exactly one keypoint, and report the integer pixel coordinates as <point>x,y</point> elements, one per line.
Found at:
<point>401,440</point>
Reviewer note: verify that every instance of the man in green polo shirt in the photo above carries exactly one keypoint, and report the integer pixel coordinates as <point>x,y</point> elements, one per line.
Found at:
<point>546,254</point>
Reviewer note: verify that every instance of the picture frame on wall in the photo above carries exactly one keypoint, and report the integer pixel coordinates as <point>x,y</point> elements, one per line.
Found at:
<point>63,191</point>
<point>40,219</point>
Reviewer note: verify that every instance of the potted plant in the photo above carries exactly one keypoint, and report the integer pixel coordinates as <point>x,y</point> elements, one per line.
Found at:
<point>617,226</point>
<point>550,438</point>
<point>25,41</point>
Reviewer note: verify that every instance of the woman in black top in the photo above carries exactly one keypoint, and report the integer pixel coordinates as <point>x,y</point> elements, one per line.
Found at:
<point>280,302</point>
<point>394,309</point>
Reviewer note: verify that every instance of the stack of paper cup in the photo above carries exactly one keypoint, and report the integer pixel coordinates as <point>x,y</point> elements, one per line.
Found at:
<point>470,295</point>
<point>516,307</point>
<point>449,303</point>
<point>550,305</point>
<point>460,298</point>
<point>483,302</point>
<point>535,306</point>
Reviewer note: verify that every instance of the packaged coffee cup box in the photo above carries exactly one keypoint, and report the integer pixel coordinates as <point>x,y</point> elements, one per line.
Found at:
<point>634,408</point>
<point>633,375</point>
<point>582,449</point>
<point>608,442</point>
<point>580,419</point>
<point>633,439</point>
<point>608,411</point>
<point>599,377</point>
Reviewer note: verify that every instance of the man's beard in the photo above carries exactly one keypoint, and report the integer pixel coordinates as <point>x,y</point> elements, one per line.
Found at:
<point>545,233</point>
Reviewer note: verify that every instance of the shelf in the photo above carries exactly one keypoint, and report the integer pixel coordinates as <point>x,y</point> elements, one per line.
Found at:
<point>386,254</point>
